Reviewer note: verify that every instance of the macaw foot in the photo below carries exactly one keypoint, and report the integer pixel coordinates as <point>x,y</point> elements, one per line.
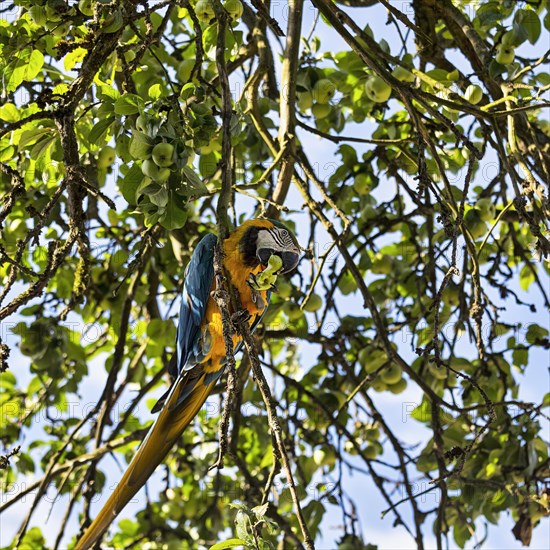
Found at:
<point>240,317</point>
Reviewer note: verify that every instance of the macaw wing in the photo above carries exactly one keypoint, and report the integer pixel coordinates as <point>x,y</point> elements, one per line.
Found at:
<point>195,295</point>
<point>197,286</point>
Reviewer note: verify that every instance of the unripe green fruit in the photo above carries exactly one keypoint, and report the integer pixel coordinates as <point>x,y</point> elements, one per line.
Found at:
<point>305,101</point>
<point>363,356</point>
<point>473,94</point>
<point>505,54</point>
<point>440,373</point>
<point>106,157</point>
<point>378,385</point>
<point>314,303</point>
<point>377,90</point>
<point>398,387</point>
<point>263,105</point>
<point>368,213</point>
<point>150,169</point>
<point>284,288</point>
<point>372,433</point>
<point>86,7</point>
<point>234,8</point>
<point>293,311</point>
<point>163,174</point>
<point>391,374</point>
<point>321,110</point>
<point>361,184</point>
<point>371,360</point>
<point>403,74</point>
<point>323,91</point>
<point>163,154</point>
<point>372,450</point>
<point>204,11</point>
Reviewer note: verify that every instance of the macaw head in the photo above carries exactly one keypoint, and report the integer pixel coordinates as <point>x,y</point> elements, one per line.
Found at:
<point>263,238</point>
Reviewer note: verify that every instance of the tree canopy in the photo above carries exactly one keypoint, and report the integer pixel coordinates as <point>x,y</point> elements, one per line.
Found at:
<point>407,144</point>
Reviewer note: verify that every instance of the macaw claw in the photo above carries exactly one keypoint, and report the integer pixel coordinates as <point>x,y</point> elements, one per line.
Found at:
<point>239,317</point>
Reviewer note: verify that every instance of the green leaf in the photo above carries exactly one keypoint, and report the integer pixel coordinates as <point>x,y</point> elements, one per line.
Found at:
<point>520,357</point>
<point>7,380</point>
<point>229,543</point>
<point>194,181</point>
<point>104,91</point>
<point>26,66</point>
<point>9,112</point>
<point>261,511</point>
<point>42,147</point>
<point>160,198</point>
<point>535,333</point>
<point>174,217</point>
<point>130,183</point>
<point>242,522</point>
<point>161,330</point>
<point>33,539</point>
<point>36,62</point>
<point>29,137</point>
<point>526,277</point>
<point>313,514</point>
<point>128,104</point>
<point>154,92</point>
<point>530,23</point>
<point>141,145</point>
<point>461,533</point>
<point>488,14</point>
<point>99,130</point>
<point>7,153</point>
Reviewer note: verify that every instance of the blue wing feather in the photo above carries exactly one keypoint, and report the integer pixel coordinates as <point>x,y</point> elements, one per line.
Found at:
<point>197,285</point>
<point>195,295</point>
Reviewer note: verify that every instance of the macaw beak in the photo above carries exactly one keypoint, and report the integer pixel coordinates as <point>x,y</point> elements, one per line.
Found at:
<point>290,258</point>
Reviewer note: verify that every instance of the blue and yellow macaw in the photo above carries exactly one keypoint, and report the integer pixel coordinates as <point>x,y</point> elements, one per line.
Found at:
<point>250,252</point>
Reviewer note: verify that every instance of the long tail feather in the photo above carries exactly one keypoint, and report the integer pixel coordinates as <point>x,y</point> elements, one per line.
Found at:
<point>161,437</point>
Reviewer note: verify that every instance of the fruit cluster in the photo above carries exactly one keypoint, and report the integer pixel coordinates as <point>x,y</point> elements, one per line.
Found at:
<point>204,10</point>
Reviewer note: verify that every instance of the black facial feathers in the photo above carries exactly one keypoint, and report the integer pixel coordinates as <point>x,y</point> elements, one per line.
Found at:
<point>248,246</point>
